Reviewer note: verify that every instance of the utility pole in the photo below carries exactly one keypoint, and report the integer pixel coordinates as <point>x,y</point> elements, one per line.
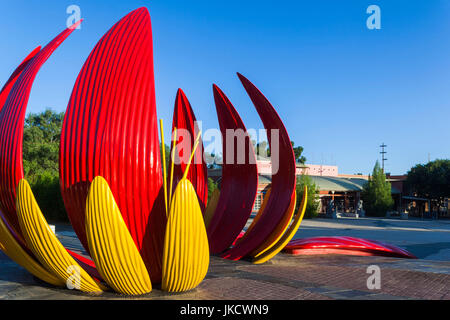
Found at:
<point>383,152</point>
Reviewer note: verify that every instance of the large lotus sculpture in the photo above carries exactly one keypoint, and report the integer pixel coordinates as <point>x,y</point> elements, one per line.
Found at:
<point>138,226</point>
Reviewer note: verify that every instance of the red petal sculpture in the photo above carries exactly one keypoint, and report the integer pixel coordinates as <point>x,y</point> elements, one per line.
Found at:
<point>17,90</point>
<point>12,117</point>
<point>110,130</point>
<point>283,181</point>
<point>239,179</point>
<point>345,245</point>
<point>184,118</point>
<point>14,76</point>
<point>10,217</point>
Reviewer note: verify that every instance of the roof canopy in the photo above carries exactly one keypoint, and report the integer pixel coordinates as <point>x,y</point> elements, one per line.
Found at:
<point>337,184</point>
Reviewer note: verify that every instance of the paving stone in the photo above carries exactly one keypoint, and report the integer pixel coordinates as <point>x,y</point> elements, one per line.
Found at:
<point>285,277</point>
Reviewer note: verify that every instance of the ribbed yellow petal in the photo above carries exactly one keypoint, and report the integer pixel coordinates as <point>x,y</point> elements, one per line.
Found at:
<point>111,246</point>
<point>46,246</point>
<point>211,208</point>
<point>13,250</point>
<point>186,248</point>
<point>287,236</point>
<point>280,229</point>
<point>257,216</point>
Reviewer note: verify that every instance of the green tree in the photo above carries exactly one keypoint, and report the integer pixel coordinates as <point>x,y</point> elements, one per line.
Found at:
<point>41,136</point>
<point>376,193</point>
<point>431,181</point>
<point>42,132</point>
<point>298,153</point>
<point>167,155</point>
<point>312,206</point>
<point>211,187</point>
<point>262,149</point>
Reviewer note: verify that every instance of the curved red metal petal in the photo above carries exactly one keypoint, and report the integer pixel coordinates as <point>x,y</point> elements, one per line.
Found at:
<point>110,130</point>
<point>345,245</point>
<point>283,180</point>
<point>87,264</point>
<point>15,75</point>
<point>4,93</point>
<point>184,118</point>
<point>239,178</point>
<point>12,117</point>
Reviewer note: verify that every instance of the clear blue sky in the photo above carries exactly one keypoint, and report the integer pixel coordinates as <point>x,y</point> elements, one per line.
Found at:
<point>340,88</point>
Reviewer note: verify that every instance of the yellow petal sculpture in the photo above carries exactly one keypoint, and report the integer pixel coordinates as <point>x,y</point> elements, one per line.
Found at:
<point>109,134</point>
<point>46,246</point>
<point>211,207</point>
<point>287,236</point>
<point>279,230</point>
<point>12,249</point>
<point>111,246</point>
<point>186,247</point>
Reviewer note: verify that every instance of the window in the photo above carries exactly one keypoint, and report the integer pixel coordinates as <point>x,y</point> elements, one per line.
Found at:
<point>259,200</point>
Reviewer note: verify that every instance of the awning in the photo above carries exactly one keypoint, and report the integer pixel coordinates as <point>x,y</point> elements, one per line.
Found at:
<point>415,198</point>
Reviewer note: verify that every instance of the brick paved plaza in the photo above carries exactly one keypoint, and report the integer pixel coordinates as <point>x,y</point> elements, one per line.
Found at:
<point>284,277</point>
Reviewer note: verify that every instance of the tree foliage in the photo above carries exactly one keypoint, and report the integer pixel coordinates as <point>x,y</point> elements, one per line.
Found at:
<point>42,132</point>
<point>298,153</point>
<point>167,156</point>
<point>262,149</point>
<point>376,193</point>
<point>431,180</point>
<point>212,186</point>
<point>312,206</point>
